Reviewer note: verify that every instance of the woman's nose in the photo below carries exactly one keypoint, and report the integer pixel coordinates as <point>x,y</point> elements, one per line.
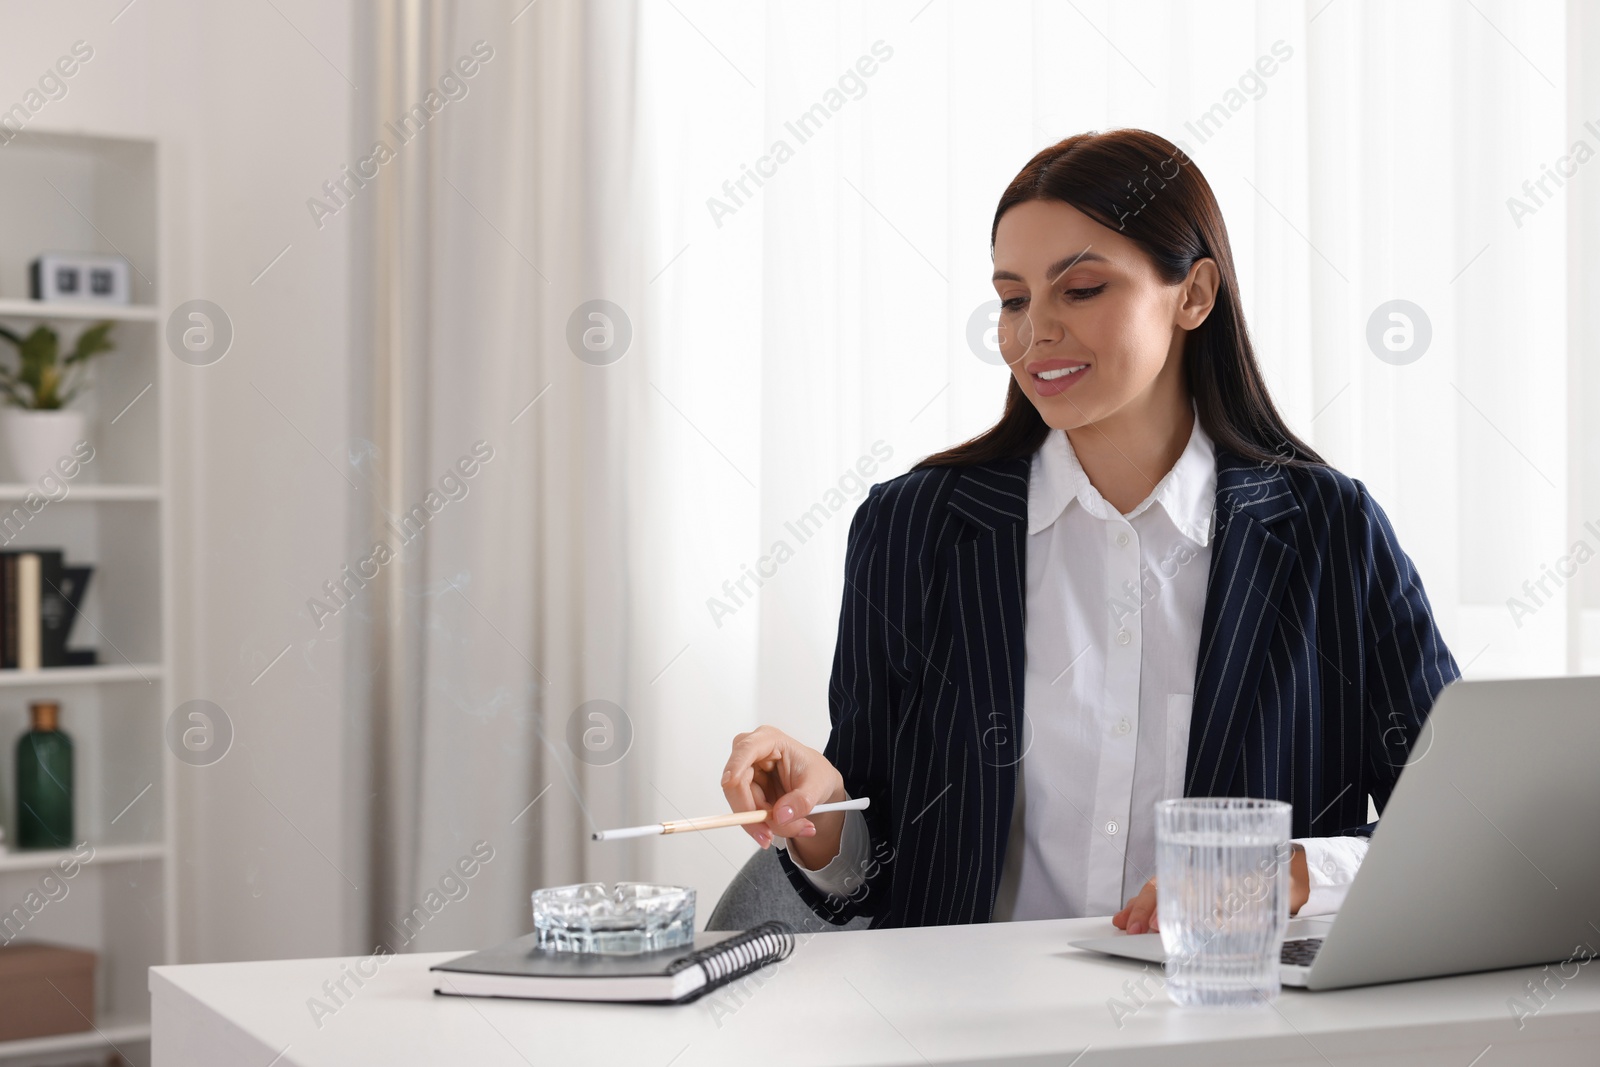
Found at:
<point>1039,327</point>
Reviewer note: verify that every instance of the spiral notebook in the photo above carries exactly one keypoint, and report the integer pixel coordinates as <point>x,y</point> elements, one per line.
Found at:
<point>672,976</point>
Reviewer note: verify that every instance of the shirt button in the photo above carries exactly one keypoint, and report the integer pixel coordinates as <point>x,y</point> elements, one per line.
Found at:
<point>1123,726</point>
<point>1122,538</point>
<point>1111,827</point>
<point>1123,637</point>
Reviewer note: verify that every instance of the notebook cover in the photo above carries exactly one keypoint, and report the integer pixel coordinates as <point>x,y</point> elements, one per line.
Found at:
<point>523,959</point>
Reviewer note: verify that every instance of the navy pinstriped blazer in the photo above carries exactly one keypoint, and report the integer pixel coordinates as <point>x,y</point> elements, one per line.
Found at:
<point>1319,660</point>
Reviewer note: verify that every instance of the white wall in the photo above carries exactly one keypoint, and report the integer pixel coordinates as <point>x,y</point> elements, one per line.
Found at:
<point>252,118</point>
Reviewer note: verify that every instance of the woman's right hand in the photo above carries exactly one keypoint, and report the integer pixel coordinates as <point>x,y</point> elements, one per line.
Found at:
<point>768,769</point>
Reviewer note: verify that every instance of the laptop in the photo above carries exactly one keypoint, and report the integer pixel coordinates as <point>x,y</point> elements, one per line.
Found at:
<point>1487,855</point>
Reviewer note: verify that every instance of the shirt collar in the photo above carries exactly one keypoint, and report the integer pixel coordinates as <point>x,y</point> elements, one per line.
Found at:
<point>1188,491</point>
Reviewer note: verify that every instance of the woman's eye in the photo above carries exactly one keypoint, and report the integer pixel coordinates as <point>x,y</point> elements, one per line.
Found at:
<point>1016,303</point>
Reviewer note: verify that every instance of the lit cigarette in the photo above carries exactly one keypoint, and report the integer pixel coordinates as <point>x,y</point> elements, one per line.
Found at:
<point>713,822</point>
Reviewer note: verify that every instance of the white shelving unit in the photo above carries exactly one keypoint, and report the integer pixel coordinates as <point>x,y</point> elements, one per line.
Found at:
<point>44,859</point>
<point>100,672</point>
<point>39,310</point>
<point>71,192</point>
<point>110,1034</point>
<point>15,492</point>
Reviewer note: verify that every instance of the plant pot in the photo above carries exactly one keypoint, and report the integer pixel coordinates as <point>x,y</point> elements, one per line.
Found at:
<point>32,441</point>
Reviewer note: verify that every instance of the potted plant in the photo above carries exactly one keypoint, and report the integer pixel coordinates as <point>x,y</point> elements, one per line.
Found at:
<point>36,430</point>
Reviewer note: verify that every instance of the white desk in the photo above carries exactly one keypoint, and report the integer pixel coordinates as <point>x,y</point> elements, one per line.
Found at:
<point>1010,993</point>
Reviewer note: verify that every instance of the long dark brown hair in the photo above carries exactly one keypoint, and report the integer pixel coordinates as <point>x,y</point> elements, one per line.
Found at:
<point>1143,186</point>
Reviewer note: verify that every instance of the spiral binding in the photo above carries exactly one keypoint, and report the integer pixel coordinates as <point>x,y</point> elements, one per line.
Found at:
<point>764,943</point>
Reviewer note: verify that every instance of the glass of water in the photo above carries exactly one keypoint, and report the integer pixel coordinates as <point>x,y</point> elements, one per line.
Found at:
<point>1222,896</point>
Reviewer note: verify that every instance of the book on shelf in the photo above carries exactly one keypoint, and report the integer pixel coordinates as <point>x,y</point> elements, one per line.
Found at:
<point>40,598</point>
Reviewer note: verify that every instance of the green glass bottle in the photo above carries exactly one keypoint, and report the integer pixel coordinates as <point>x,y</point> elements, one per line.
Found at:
<point>44,781</point>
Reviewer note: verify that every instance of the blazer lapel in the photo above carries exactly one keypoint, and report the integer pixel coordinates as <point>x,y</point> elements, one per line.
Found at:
<point>984,601</point>
<point>1249,568</point>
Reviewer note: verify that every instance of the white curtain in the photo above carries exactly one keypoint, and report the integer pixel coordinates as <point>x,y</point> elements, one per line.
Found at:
<point>790,204</point>
<point>507,611</point>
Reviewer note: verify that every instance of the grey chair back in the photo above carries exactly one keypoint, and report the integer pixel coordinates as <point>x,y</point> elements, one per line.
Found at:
<point>761,891</point>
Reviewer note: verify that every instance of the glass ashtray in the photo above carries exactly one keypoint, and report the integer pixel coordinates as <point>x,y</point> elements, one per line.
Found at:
<point>627,919</point>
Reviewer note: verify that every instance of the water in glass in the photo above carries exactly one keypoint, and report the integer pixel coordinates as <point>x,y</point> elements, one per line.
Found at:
<point>1222,896</point>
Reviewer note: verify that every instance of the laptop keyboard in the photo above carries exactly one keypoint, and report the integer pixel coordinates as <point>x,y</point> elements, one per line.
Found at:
<point>1301,951</point>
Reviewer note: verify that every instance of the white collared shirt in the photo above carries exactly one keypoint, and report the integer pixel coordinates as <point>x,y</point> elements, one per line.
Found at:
<point>1114,606</point>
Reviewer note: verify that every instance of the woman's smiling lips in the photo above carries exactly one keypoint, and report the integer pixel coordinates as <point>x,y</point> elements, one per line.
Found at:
<point>1052,376</point>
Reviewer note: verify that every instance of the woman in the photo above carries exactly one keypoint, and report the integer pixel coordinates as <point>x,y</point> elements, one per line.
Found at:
<point>1138,584</point>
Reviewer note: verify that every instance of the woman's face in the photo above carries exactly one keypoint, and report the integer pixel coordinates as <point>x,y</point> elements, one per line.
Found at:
<point>1076,294</point>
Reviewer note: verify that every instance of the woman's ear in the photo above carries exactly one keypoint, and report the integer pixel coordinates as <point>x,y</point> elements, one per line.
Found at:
<point>1197,293</point>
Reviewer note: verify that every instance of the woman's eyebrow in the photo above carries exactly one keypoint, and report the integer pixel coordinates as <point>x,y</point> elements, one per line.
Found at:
<point>1056,269</point>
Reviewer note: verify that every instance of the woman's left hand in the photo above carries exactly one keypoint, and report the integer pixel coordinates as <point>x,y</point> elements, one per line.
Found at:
<point>1139,916</point>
